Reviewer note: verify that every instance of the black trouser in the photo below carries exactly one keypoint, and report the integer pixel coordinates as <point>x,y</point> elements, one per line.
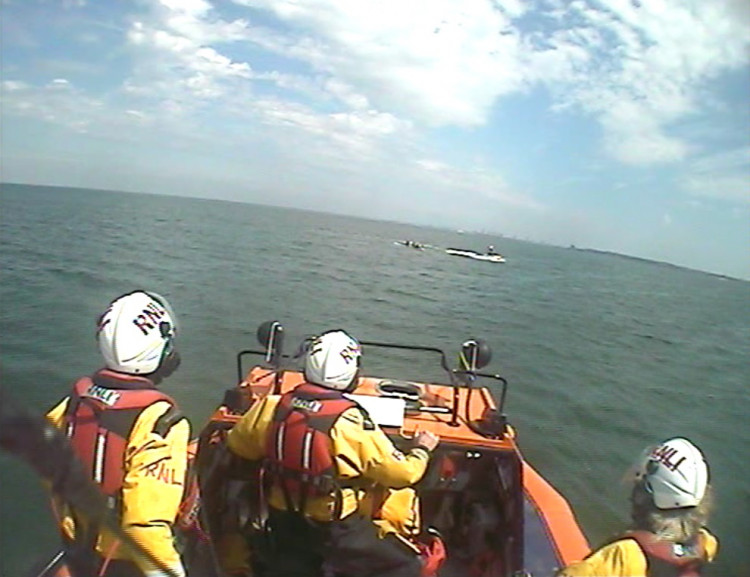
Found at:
<point>350,547</point>
<point>88,564</point>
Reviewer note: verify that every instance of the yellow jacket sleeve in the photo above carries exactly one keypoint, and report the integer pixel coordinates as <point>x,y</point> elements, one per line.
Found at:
<point>362,449</point>
<point>710,544</point>
<point>624,558</point>
<point>399,513</point>
<point>56,414</point>
<point>154,483</point>
<point>247,438</point>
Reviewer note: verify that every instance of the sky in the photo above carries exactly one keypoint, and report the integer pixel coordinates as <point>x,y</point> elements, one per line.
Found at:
<point>619,125</point>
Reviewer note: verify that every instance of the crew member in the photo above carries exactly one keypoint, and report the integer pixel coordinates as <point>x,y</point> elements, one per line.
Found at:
<point>669,508</point>
<point>328,464</point>
<point>131,438</point>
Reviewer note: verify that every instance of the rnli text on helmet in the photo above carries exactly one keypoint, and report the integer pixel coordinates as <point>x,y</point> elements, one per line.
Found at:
<point>149,317</point>
<point>666,456</point>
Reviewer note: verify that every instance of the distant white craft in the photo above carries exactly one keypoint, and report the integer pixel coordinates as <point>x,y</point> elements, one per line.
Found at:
<point>488,257</point>
<point>411,243</point>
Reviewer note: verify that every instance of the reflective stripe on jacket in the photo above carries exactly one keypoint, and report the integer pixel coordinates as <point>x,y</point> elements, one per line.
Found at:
<point>363,455</point>
<point>298,449</point>
<point>119,421</point>
<point>98,421</point>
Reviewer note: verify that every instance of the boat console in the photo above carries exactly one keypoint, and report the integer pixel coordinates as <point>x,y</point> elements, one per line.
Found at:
<point>477,491</point>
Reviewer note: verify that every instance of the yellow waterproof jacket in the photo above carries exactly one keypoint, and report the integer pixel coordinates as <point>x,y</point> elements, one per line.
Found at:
<point>152,490</point>
<point>363,454</point>
<point>625,558</point>
<point>399,516</point>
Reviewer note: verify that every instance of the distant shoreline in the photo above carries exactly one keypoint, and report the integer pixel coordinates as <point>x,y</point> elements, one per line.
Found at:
<point>460,231</point>
<point>652,261</point>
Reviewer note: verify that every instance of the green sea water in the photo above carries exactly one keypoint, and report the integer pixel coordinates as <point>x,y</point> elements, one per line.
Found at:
<point>604,354</point>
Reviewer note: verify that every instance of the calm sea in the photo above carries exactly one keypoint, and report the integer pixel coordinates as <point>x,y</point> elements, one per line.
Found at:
<point>604,354</point>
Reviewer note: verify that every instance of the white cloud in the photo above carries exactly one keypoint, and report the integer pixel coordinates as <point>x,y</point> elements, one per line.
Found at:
<point>635,67</point>
<point>194,57</point>
<point>352,133</point>
<point>13,85</point>
<point>197,21</point>
<point>191,7</point>
<point>59,83</point>
<point>357,76</point>
<point>174,58</point>
<point>59,102</point>
<point>649,74</point>
<point>486,183</point>
<point>439,62</point>
<point>432,165</point>
<point>724,175</point>
<point>634,136</point>
<point>346,94</point>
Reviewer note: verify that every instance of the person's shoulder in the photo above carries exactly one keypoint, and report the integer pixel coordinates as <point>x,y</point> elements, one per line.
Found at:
<point>262,409</point>
<point>357,417</point>
<point>266,403</point>
<point>55,414</point>
<point>710,543</point>
<point>172,418</point>
<point>161,417</point>
<point>621,556</point>
<point>158,407</point>
<point>626,544</point>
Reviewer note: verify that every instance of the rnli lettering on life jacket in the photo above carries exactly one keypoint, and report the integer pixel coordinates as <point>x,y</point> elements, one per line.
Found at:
<point>107,396</point>
<point>99,420</point>
<point>309,405</point>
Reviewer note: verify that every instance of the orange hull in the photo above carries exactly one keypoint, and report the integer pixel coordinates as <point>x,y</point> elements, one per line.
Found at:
<point>551,536</point>
<point>498,516</point>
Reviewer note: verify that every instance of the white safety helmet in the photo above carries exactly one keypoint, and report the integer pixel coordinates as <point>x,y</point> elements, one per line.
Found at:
<point>136,333</point>
<point>675,473</point>
<point>332,360</point>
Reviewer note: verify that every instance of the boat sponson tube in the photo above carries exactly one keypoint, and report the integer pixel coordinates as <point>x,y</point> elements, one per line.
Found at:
<point>540,557</point>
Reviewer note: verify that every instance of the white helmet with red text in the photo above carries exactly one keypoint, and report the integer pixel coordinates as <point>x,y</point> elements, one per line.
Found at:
<point>332,360</point>
<point>674,473</point>
<point>136,334</point>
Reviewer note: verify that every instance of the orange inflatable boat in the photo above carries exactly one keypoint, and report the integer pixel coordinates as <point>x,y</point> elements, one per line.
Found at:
<point>498,517</point>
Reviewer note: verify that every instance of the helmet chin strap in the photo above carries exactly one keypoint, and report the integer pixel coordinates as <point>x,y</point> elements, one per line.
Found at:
<point>353,385</point>
<point>170,357</point>
<point>168,365</point>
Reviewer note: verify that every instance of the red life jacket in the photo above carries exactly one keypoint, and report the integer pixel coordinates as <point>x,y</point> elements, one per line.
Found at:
<point>667,558</point>
<point>298,448</point>
<point>101,413</point>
